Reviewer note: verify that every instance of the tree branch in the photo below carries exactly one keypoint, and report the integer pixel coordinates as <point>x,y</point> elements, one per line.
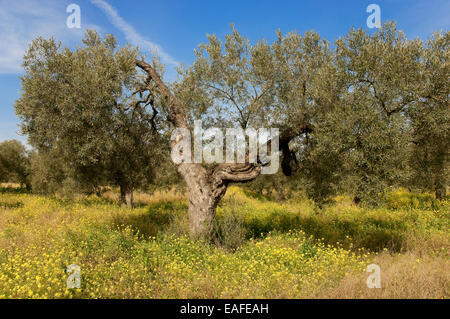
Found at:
<point>237,172</point>
<point>177,113</point>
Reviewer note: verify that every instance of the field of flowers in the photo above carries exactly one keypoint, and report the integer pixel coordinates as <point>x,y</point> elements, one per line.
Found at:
<point>263,249</point>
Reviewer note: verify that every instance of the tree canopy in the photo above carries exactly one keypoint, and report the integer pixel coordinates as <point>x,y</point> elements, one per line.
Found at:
<point>82,106</point>
<point>14,163</point>
<point>359,116</point>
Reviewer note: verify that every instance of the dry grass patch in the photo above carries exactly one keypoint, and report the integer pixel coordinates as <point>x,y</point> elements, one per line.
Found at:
<point>402,276</point>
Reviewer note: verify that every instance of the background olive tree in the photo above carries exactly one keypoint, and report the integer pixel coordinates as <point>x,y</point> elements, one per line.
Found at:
<point>430,119</point>
<point>14,163</point>
<point>368,132</point>
<point>83,108</point>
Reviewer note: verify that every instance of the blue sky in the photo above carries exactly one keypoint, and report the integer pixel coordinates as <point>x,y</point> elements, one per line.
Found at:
<point>176,27</point>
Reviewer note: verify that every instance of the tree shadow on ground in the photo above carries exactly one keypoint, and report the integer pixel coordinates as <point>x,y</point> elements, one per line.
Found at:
<point>8,204</point>
<point>151,221</point>
<point>14,190</point>
<point>370,234</point>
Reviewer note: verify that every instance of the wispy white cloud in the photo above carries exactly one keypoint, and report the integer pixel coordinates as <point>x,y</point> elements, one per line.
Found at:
<point>23,20</point>
<point>130,33</point>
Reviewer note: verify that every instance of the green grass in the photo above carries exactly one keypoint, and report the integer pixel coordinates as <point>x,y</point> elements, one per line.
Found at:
<point>263,249</point>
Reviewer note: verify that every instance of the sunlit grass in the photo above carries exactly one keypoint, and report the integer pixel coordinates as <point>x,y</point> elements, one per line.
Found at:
<point>288,249</point>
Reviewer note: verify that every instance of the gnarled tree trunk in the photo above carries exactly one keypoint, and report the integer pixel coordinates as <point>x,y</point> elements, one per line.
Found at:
<point>204,195</point>
<point>440,188</point>
<point>205,186</point>
<point>440,192</point>
<point>126,196</point>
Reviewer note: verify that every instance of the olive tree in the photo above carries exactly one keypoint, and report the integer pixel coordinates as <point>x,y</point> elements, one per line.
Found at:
<point>83,106</point>
<point>287,84</point>
<point>227,85</point>
<point>430,119</point>
<point>369,132</point>
<point>14,163</point>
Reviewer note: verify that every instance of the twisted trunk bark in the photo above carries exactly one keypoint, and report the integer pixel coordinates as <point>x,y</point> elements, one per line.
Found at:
<point>205,190</point>
<point>203,200</point>
<point>126,196</point>
<point>440,187</point>
<point>440,192</point>
<point>205,187</point>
